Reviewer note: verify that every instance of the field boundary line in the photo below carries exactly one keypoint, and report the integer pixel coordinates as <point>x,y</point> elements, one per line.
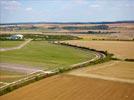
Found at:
<point>103,66</point>
<point>104,77</point>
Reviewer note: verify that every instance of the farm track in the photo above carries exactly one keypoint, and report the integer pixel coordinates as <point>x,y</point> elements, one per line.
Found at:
<point>18,47</point>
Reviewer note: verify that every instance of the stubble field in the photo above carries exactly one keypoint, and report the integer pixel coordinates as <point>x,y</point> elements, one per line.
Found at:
<point>119,71</point>
<point>121,49</point>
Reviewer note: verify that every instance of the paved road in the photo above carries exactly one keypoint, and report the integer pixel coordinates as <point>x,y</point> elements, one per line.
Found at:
<point>18,47</point>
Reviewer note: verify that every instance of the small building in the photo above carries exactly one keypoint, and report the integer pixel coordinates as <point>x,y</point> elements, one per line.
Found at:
<point>17,36</point>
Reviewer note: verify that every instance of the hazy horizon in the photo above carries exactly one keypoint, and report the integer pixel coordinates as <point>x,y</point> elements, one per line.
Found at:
<point>16,11</point>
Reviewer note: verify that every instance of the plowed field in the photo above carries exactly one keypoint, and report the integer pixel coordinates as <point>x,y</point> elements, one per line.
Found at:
<point>68,87</point>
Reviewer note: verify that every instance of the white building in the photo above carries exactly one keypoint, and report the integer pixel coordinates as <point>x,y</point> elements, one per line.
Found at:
<point>17,36</point>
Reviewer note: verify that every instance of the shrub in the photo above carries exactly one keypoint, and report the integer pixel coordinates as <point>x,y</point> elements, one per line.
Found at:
<point>113,58</point>
<point>61,70</point>
<point>132,60</point>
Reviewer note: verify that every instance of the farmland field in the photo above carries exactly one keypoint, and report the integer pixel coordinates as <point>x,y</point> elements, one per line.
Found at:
<point>121,49</point>
<point>122,30</point>
<point>113,70</point>
<point>8,44</point>
<point>69,87</point>
<point>45,55</point>
<point>124,70</point>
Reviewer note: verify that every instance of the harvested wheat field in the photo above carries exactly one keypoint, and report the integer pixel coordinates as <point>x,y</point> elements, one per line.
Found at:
<point>120,71</point>
<point>124,70</point>
<point>121,49</point>
<point>69,87</point>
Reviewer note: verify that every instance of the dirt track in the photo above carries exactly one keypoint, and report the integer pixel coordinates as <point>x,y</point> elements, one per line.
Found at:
<point>18,47</point>
<point>68,87</point>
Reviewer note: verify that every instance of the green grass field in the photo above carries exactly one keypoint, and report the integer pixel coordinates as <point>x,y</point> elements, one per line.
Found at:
<point>10,76</point>
<point>8,44</point>
<point>5,72</point>
<point>45,55</point>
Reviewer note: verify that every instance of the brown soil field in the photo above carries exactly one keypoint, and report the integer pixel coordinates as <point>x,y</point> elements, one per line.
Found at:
<point>114,70</point>
<point>121,49</point>
<point>69,87</point>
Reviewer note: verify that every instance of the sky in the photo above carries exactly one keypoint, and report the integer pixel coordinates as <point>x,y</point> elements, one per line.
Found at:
<point>12,11</point>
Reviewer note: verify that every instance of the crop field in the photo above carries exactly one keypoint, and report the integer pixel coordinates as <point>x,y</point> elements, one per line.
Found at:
<point>8,44</point>
<point>69,87</point>
<point>119,69</point>
<point>121,49</point>
<point>114,70</point>
<point>45,55</point>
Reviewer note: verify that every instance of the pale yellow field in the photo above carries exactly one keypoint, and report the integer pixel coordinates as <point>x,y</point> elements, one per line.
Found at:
<point>114,70</point>
<point>121,49</point>
<point>117,69</point>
